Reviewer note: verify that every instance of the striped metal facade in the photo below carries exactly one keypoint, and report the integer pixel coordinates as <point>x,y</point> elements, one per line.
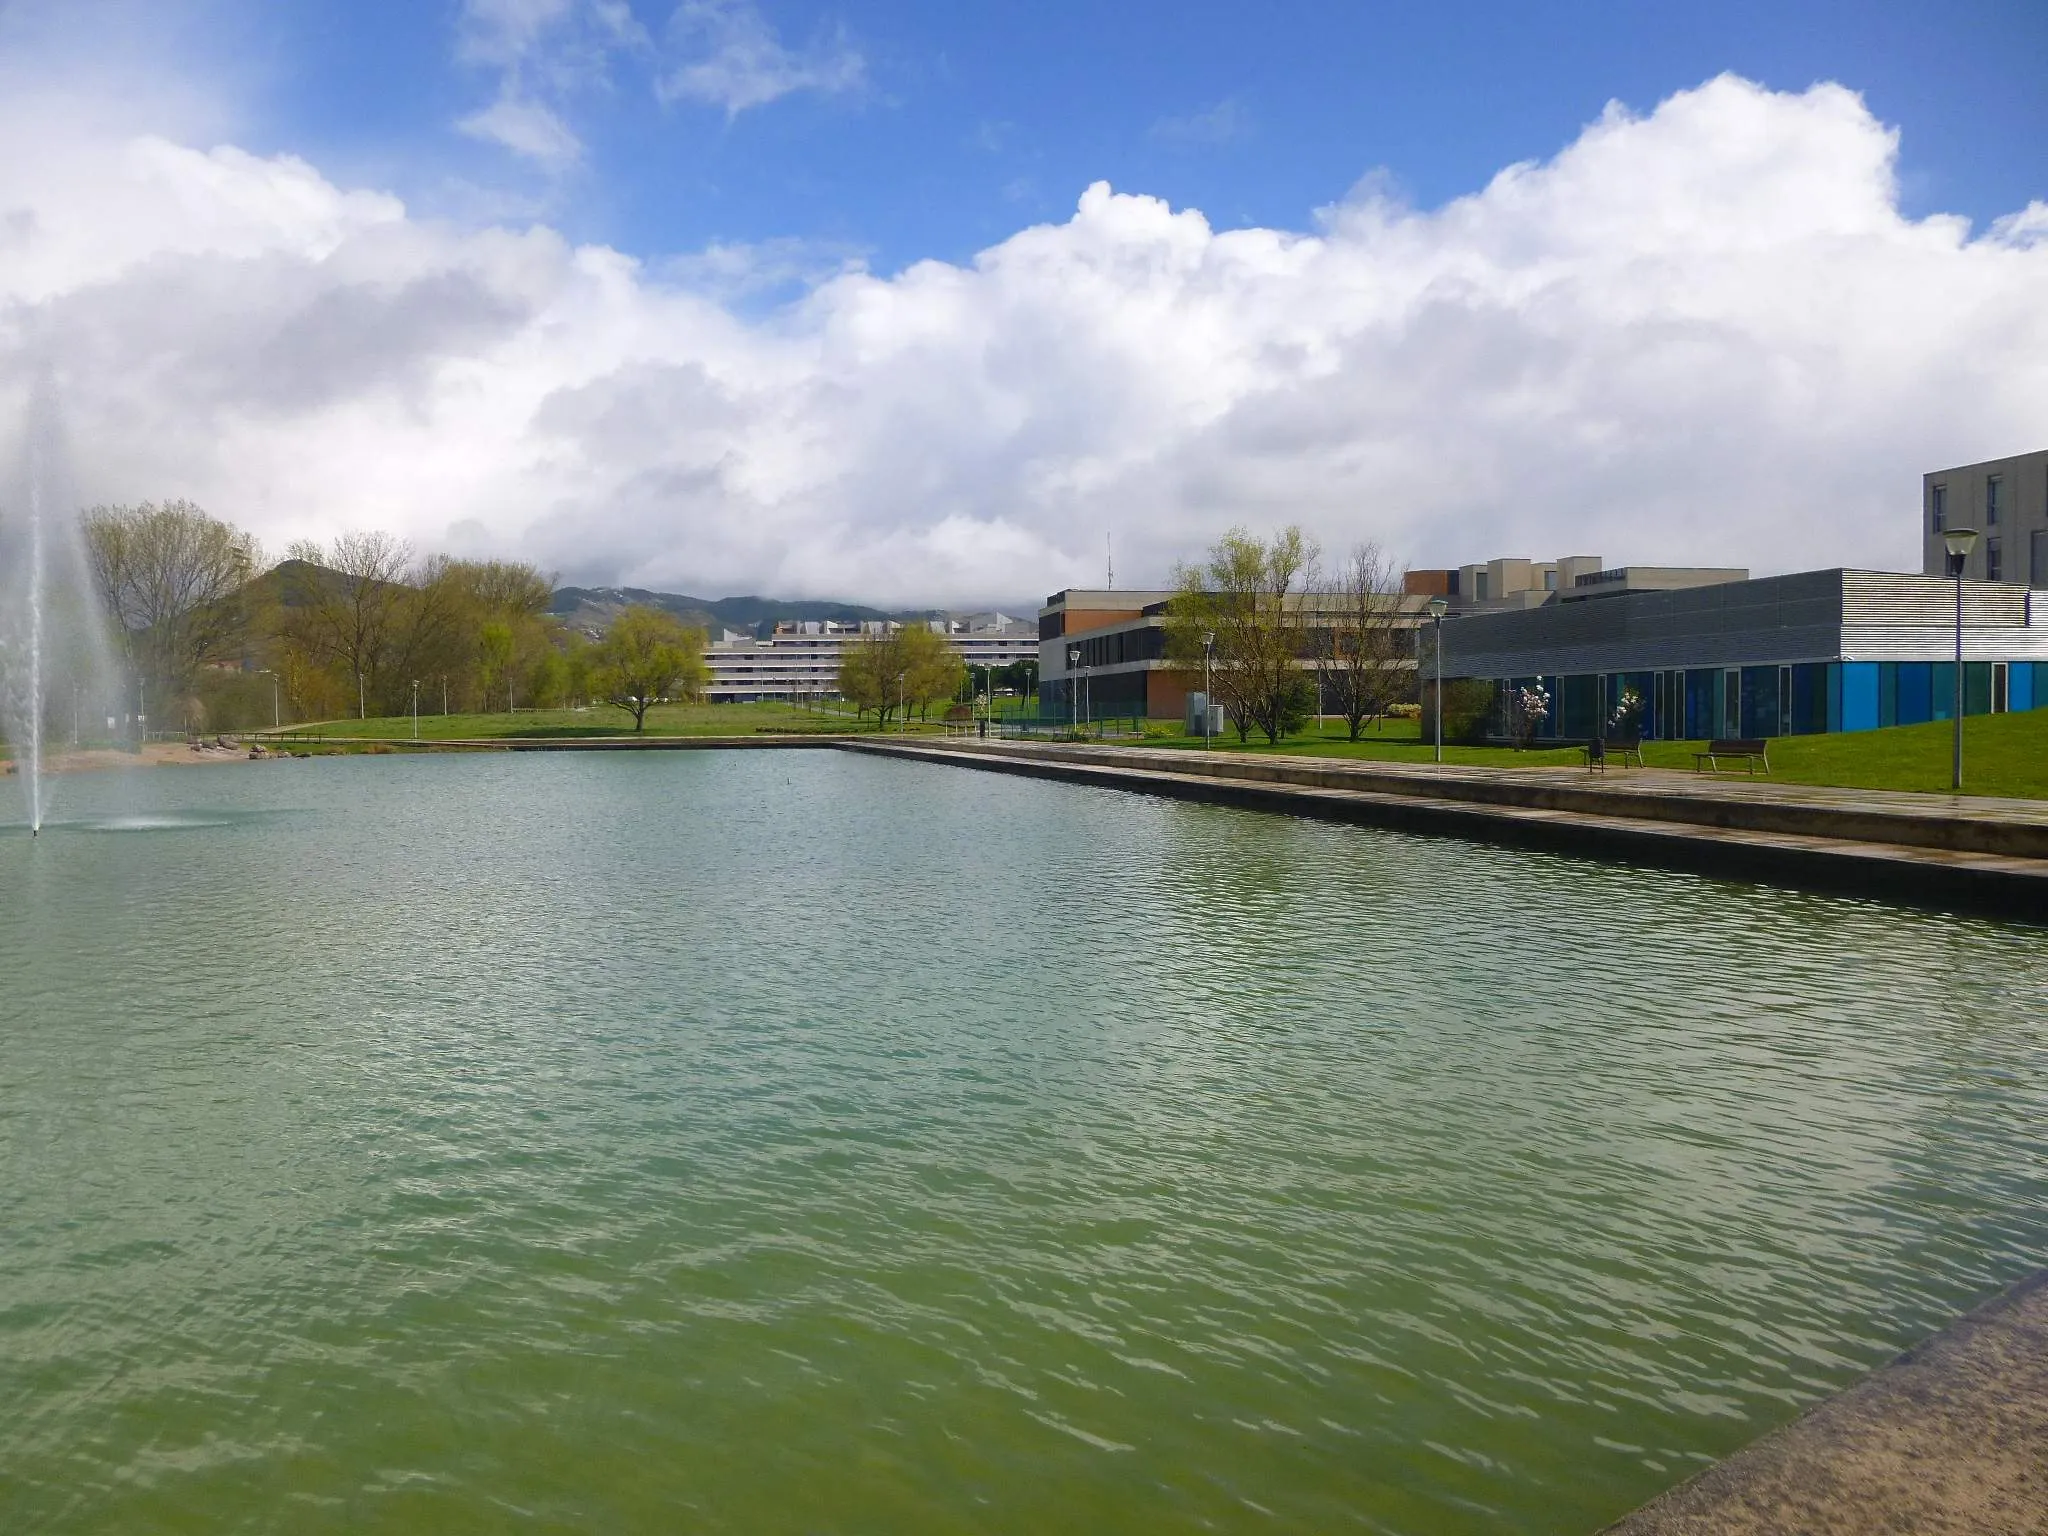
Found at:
<point>1812,616</point>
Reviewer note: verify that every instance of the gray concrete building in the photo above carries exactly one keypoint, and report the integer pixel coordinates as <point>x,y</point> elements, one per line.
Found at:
<point>1836,650</point>
<point>2006,501</point>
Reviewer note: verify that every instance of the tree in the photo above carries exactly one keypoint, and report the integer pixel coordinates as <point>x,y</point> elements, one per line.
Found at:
<point>872,673</point>
<point>172,579</point>
<point>647,656</point>
<point>1246,596</point>
<point>932,669</point>
<point>494,646</point>
<point>343,603</point>
<point>1364,660</point>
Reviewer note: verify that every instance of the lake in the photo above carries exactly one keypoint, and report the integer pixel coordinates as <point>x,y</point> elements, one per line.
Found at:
<point>801,1141</point>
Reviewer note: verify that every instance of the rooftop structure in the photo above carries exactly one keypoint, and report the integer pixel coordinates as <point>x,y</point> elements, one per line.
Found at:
<point>2006,501</point>
<point>1514,584</point>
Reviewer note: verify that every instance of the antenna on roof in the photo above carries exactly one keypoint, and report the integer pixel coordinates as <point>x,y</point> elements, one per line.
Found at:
<point>1109,556</point>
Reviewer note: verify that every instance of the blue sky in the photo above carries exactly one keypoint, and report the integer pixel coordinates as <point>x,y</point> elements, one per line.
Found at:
<point>953,124</point>
<point>914,303</point>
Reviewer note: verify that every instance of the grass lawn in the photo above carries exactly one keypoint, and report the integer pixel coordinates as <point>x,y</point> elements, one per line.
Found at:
<point>599,720</point>
<point>2002,754</point>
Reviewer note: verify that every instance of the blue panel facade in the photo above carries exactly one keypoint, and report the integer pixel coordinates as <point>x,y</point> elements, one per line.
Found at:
<point>1860,694</point>
<point>2020,689</point>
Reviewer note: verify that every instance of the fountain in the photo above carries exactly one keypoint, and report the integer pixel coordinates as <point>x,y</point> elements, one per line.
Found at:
<point>53,642</point>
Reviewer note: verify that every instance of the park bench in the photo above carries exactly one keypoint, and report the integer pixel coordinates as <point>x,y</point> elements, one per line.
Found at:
<point>1603,750</point>
<point>1754,752</point>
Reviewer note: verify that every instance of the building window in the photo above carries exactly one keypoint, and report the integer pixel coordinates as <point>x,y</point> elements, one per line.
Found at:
<point>1991,488</point>
<point>1994,561</point>
<point>1550,581</point>
<point>1937,508</point>
<point>1479,585</point>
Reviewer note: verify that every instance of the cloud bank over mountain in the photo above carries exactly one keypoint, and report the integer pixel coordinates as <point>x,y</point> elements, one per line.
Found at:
<point>1706,334</point>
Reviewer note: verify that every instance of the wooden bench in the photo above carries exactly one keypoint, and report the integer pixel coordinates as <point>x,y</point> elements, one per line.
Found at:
<point>1608,749</point>
<point>1754,752</point>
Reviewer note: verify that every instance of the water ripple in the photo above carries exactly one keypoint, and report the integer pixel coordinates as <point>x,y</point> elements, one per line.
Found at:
<point>768,1142</point>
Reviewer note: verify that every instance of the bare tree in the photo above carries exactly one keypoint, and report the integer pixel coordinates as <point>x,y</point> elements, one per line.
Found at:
<point>344,607</point>
<point>1364,659</point>
<point>172,578</point>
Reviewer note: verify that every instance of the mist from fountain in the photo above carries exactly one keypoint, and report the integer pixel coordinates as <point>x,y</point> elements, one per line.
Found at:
<point>53,636</point>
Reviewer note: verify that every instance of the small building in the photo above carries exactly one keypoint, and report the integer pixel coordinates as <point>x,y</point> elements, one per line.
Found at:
<point>2006,501</point>
<point>1835,650</point>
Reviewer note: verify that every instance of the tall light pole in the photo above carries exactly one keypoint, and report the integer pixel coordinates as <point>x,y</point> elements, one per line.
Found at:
<point>1074,687</point>
<point>1959,542</point>
<point>1208,686</point>
<point>1437,609</point>
<point>276,715</point>
<point>415,709</point>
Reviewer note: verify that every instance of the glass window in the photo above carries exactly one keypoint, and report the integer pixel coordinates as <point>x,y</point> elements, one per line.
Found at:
<point>1994,561</point>
<point>1937,507</point>
<point>1991,500</point>
<point>1550,581</point>
<point>2037,558</point>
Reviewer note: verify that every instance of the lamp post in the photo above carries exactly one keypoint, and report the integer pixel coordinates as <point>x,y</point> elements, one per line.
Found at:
<point>1208,686</point>
<point>1437,609</point>
<point>276,715</point>
<point>1074,687</point>
<point>415,709</point>
<point>1959,542</point>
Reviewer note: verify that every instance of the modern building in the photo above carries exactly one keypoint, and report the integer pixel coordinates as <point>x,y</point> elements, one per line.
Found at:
<point>1111,646</point>
<point>2006,501</point>
<point>801,659</point>
<point>1836,650</point>
<point>1121,637</point>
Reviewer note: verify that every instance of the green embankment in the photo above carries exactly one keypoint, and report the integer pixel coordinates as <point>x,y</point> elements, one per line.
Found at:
<point>2002,754</point>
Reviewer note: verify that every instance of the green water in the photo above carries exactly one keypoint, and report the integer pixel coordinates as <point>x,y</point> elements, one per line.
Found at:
<point>806,1142</point>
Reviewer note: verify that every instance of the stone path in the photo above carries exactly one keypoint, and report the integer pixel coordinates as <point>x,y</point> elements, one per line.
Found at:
<point>1937,850</point>
<point>1951,1439</point>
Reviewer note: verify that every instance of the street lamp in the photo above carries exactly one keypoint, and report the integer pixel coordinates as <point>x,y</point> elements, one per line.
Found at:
<point>276,716</point>
<point>1208,687</point>
<point>1074,687</point>
<point>415,709</point>
<point>1437,609</point>
<point>1959,542</point>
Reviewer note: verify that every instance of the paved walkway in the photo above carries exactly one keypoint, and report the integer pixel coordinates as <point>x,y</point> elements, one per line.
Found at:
<point>1951,1439</point>
<point>1931,850</point>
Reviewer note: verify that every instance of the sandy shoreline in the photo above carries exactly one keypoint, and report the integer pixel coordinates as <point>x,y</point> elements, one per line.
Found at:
<point>156,754</point>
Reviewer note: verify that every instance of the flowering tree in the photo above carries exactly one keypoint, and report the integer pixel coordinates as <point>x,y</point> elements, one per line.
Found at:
<point>1530,708</point>
<point>1627,713</point>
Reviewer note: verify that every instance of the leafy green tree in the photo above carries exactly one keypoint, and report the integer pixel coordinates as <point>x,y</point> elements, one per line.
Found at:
<point>1247,596</point>
<point>494,648</point>
<point>873,673</point>
<point>933,670</point>
<point>647,656</point>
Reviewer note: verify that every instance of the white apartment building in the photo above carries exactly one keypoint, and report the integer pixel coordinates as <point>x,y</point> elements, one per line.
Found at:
<point>801,659</point>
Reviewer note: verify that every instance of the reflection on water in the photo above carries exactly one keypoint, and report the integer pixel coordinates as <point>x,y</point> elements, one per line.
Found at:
<point>793,1141</point>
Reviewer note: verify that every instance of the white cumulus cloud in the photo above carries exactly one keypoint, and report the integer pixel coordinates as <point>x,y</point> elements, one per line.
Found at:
<point>1706,334</point>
